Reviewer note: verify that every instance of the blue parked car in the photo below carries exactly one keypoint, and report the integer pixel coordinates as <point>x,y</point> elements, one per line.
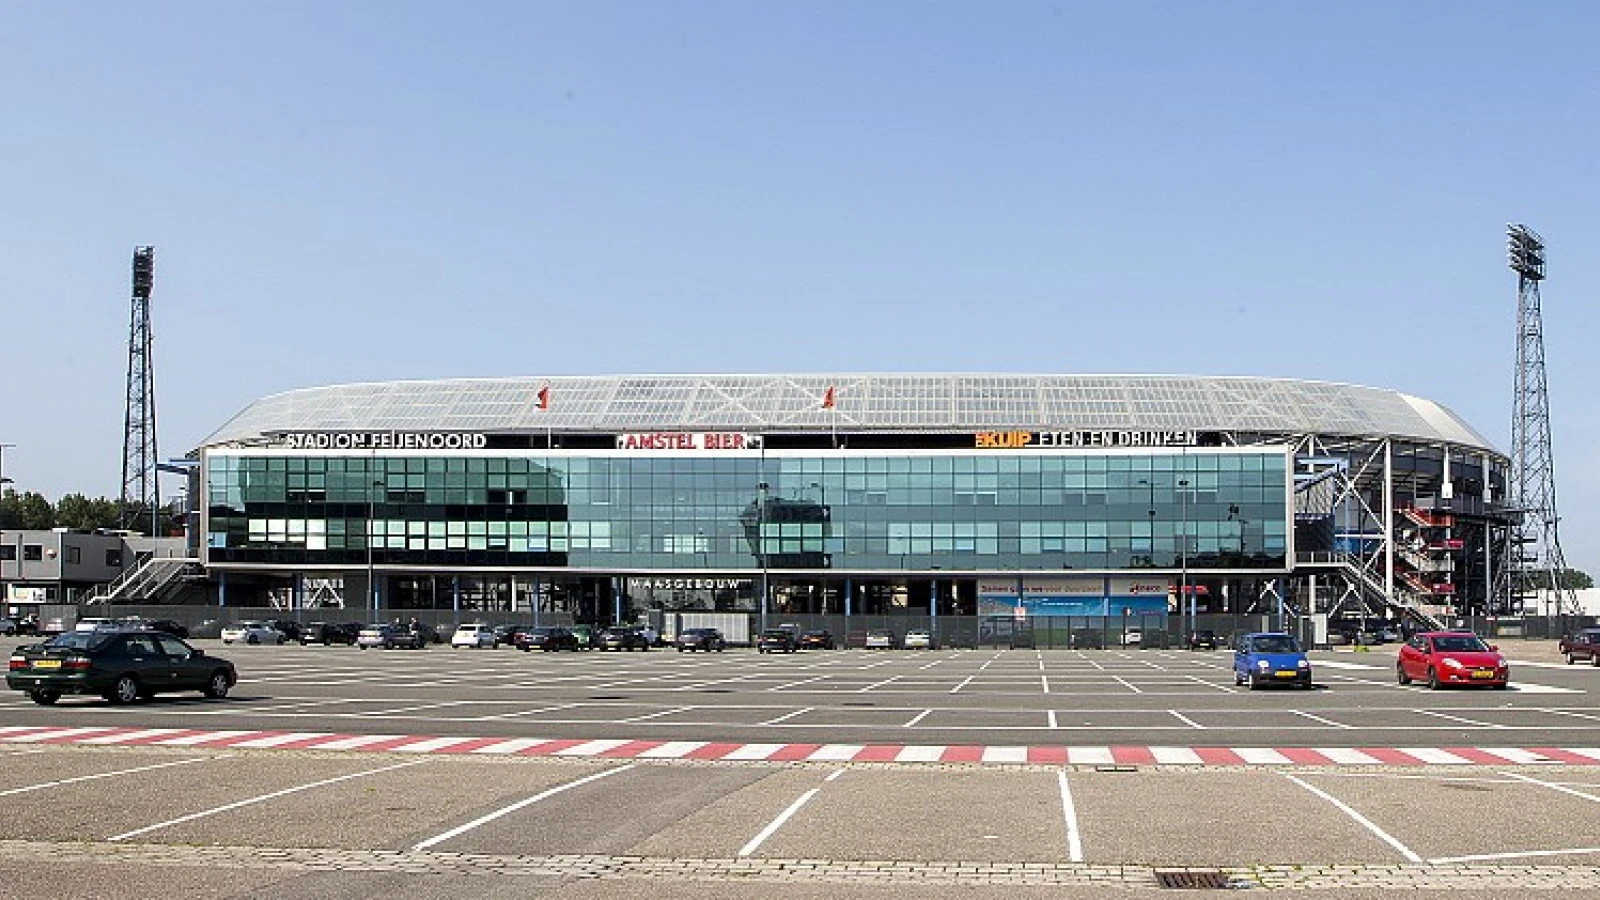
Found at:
<point>1269,657</point>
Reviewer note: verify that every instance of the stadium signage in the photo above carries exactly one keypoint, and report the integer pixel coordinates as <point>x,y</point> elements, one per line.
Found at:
<point>386,440</point>
<point>1014,440</point>
<point>689,584</point>
<point>692,441</point>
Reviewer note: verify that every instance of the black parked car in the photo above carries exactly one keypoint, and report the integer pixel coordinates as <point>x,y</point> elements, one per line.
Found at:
<point>777,640</point>
<point>289,628</point>
<point>1206,638</point>
<point>623,639</point>
<point>330,633</point>
<point>547,638</point>
<point>120,664</point>
<point>816,640</point>
<point>508,635</point>
<point>707,639</point>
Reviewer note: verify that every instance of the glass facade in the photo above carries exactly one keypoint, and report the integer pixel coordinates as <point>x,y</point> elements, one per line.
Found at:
<point>845,511</point>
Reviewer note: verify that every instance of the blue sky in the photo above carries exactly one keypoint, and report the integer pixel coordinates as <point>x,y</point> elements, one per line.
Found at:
<point>369,191</point>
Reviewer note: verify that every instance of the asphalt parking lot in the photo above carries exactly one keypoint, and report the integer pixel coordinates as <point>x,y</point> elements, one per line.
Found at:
<point>461,814</point>
<point>942,697</point>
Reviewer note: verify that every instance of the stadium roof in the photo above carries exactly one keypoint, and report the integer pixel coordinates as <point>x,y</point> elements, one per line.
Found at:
<point>862,402</point>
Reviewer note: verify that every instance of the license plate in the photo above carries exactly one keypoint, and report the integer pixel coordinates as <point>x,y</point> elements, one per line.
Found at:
<point>47,664</point>
<point>1287,674</point>
<point>1483,674</point>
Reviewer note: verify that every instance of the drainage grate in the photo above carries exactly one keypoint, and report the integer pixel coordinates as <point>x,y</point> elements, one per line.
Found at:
<point>852,703</point>
<point>1203,880</point>
<point>608,697</point>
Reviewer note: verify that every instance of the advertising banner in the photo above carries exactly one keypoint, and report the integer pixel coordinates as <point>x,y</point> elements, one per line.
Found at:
<point>1073,596</point>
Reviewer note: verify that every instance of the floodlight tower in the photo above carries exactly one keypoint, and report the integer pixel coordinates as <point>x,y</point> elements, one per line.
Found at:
<point>1534,545</point>
<point>139,480</point>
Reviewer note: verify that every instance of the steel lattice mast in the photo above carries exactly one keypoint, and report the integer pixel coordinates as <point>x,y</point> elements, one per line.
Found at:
<point>1534,547</point>
<point>139,480</point>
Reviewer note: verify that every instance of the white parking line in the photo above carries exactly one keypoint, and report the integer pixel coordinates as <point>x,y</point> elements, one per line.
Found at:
<point>1070,814</point>
<point>50,784</point>
<point>1386,837</point>
<point>787,716</point>
<point>1185,719</point>
<point>484,820</point>
<point>1319,719</point>
<point>657,715</point>
<point>263,797</point>
<point>1552,786</point>
<point>1461,719</point>
<point>777,823</point>
<point>966,681</point>
<point>1522,854</point>
<point>1127,684</point>
<point>917,718</point>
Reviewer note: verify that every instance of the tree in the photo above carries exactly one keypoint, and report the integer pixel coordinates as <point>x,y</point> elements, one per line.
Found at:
<point>80,512</point>
<point>29,512</point>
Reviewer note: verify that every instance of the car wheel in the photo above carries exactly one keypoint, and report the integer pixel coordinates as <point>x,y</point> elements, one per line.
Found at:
<point>1433,679</point>
<point>1252,682</point>
<point>217,687</point>
<point>1594,659</point>
<point>227,642</point>
<point>1501,686</point>
<point>10,631</point>
<point>1571,657</point>
<point>252,639</point>
<point>44,698</point>
<point>125,691</point>
<point>1238,679</point>
<point>388,645</point>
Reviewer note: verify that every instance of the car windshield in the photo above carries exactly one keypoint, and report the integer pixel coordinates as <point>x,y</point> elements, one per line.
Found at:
<point>77,640</point>
<point>1459,643</point>
<point>1275,643</point>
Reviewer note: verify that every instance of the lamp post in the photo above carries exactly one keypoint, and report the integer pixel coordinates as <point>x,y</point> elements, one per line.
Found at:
<point>761,548</point>
<point>1183,553</point>
<point>372,534</point>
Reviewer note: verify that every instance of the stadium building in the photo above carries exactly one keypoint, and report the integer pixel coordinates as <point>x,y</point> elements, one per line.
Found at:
<point>924,495</point>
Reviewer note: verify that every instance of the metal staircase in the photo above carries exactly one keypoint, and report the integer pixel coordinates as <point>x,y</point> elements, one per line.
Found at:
<point>149,581</point>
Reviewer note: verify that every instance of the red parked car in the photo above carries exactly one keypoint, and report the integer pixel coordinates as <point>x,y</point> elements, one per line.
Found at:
<point>1451,657</point>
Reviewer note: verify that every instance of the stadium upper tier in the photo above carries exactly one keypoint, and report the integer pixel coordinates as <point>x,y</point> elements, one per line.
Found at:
<point>883,402</point>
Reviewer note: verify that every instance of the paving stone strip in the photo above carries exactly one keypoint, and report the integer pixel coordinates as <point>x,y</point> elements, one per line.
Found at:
<point>1479,877</point>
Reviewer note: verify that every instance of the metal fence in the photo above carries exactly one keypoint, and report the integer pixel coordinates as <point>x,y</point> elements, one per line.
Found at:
<point>1160,631</point>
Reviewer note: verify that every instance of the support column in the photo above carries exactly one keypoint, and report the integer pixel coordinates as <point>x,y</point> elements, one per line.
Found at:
<point>222,584</point>
<point>1388,522</point>
<point>455,595</point>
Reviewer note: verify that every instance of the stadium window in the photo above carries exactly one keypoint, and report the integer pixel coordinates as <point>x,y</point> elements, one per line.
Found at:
<point>32,552</point>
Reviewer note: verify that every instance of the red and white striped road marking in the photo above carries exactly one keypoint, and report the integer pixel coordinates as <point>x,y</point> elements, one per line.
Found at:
<point>613,748</point>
